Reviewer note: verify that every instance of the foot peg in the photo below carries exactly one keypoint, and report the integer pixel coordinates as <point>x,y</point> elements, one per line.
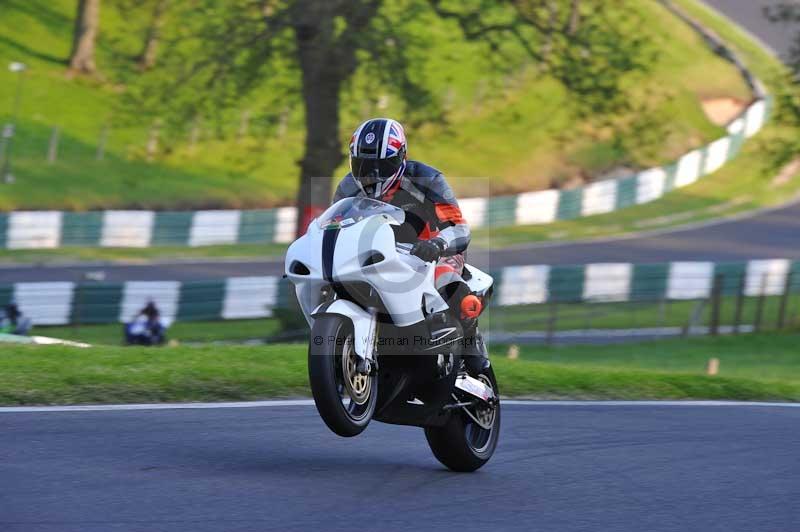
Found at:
<point>444,364</point>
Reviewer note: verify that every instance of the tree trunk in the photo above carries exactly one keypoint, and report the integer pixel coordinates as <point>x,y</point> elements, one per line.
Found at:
<point>322,79</point>
<point>327,57</point>
<point>574,17</point>
<point>147,58</point>
<point>87,22</point>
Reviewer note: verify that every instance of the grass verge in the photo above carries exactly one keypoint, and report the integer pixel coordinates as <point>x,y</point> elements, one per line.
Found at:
<point>744,185</point>
<point>62,375</point>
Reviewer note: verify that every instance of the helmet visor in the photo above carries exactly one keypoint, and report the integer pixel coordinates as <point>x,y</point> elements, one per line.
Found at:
<point>371,171</point>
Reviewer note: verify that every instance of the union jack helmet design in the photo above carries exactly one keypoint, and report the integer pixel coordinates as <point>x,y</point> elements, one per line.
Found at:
<point>378,155</point>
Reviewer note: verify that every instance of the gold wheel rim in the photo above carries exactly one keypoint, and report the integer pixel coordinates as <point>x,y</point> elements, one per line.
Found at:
<point>358,386</point>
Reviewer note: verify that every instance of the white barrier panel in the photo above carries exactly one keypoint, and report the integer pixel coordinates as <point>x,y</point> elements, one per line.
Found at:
<point>607,282</point>
<point>214,227</point>
<point>688,169</point>
<point>285,224</point>
<point>537,207</point>
<point>599,198</point>
<point>474,211</point>
<point>767,277</point>
<point>754,119</point>
<point>34,230</point>
<point>717,154</point>
<point>524,284</point>
<point>736,127</point>
<point>249,297</point>
<point>650,185</point>
<point>45,303</point>
<point>127,229</point>
<point>137,294</point>
<point>689,280</point>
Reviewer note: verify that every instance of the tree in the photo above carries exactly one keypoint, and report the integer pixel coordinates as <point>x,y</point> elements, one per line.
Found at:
<point>225,50</point>
<point>784,149</point>
<point>147,57</point>
<point>87,21</point>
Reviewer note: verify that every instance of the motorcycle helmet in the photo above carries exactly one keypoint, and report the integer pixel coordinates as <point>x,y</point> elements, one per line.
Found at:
<point>378,155</point>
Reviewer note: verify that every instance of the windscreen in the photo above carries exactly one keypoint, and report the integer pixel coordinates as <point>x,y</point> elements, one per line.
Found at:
<point>349,211</point>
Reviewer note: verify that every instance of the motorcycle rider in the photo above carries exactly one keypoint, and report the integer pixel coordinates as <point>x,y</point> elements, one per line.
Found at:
<point>380,169</point>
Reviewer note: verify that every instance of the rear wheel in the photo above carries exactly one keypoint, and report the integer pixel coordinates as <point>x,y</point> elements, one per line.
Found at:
<point>469,439</point>
<point>345,399</point>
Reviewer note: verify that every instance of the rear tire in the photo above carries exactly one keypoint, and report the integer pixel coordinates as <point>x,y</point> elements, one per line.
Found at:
<point>345,400</point>
<point>462,445</point>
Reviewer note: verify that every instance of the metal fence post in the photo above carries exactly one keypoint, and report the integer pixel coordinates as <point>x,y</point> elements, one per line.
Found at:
<point>101,144</point>
<point>78,306</point>
<point>760,305</point>
<point>716,303</point>
<point>737,318</point>
<point>787,289</point>
<point>52,148</point>
<point>552,320</point>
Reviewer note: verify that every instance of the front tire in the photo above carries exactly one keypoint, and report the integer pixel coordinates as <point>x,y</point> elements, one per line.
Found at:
<point>345,399</point>
<point>462,445</point>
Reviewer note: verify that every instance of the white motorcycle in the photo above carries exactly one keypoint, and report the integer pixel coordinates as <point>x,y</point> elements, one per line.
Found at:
<point>384,344</point>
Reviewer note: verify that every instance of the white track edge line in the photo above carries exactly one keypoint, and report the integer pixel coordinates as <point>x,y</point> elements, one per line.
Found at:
<point>309,402</point>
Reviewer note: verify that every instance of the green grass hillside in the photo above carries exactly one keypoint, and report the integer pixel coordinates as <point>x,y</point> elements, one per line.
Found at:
<point>516,129</point>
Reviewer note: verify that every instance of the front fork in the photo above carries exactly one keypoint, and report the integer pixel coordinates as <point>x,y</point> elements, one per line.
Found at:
<point>368,364</point>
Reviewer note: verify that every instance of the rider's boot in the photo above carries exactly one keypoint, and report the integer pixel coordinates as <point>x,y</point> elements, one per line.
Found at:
<point>476,356</point>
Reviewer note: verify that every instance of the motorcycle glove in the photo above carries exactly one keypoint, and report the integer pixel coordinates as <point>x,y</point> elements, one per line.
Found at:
<point>429,250</point>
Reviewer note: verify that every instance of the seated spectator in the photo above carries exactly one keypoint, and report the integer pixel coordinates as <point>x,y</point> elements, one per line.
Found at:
<point>146,328</point>
<point>13,322</point>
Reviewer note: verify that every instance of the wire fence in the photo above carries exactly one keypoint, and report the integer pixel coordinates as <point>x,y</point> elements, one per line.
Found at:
<point>679,298</point>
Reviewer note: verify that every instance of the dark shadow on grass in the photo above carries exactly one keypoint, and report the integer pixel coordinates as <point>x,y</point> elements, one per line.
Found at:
<point>29,52</point>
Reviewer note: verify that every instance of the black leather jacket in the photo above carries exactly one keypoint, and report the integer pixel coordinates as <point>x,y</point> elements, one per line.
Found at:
<point>431,208</point>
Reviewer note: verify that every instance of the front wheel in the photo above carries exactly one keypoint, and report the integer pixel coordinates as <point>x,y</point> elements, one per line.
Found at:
<point>469,438</point>
<point>345,399</point>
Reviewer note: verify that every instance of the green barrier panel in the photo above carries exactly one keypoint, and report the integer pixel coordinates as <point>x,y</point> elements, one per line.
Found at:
<point>794,282</point>
<point>500,211</point>
<point>172,228</point>
<point>3,229</point>
<point>672,171</point>
<point>566,283</point>
<point>569,204</point>
<point>731,275</point>
<point>737,141</point>
<point>6,294</point>
<point>257,227</point>
<point>201,301</point>
<point>81,228</point>
<point>626,192</point>
<point>703,158</point>
<point>649,282</point>
<point>96,303</point>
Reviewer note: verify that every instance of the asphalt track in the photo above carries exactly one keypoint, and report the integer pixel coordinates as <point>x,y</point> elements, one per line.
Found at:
<point>558,467</point>
<point>749,14</point>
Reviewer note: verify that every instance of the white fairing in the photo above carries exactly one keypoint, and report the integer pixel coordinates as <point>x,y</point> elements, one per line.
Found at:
<point>404,282</point>
<point>480,282</point>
